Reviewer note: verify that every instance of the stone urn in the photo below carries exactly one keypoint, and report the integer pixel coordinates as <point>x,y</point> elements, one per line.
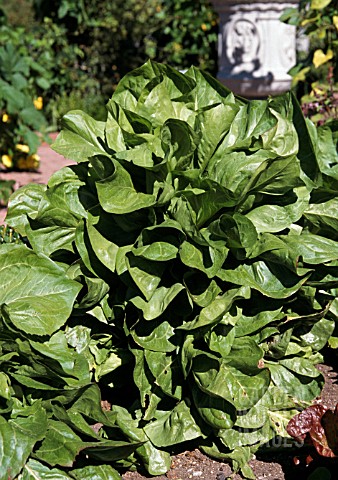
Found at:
<point>255,49</point>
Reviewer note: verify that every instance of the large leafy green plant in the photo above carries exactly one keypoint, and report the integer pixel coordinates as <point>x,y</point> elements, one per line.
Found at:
<point>176,285</point>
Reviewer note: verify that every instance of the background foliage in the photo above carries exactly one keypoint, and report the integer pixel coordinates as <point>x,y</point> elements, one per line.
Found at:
<point>315,77</point>
<point>20,80</point>
<point>87,46</point>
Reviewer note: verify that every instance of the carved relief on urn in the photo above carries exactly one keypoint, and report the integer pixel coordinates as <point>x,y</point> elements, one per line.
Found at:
<point>243,46</point>
<point>256,49</point>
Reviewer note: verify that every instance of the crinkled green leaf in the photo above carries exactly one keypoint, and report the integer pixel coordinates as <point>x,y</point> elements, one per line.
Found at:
<point>96,472</point>
<point>201,290</point>
<point>215,311</point>
<point>272,281</point>
<point>157,462</point>
<point>60,445</point>
<point>160,251</point>
<point>222,380</point>
<point>34,470</point>
<point>206,259</point>
<point>275,218</point>
<point>319,334</point>
<point>304,388</point>
<point>81,137</point>
<point>23,203</point>
<point>323,217</point>
<point>18,437</point>
<point>166,373</point>
<point>158,335</point>
<point>313,249</point>
<point>118,195</point>
<point>173,427</point>
<point>215,411</point>
<point>146,275</point>
<point>159,301</point>
<point>40,299</point>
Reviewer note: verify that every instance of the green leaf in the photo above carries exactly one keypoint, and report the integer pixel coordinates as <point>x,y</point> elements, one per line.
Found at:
<point>160,251</point>
<point>237,438</point>
<point>97,472</point>
<point>272,281</point>
<point>81,137</point>
<point>157,462</point>
<point>303,388</point>
<point>73,364</point>
<point>215,311</point>
<point>220,116</point>
<point>158,335</point>
<point>34,470</point>
<point>207,260</point>
<point>54,224</point>
<point>246,325</point>
<point>217,412</point>
<point>118,195</point>
<point>159,301</point>
<point>166,372</point>
<point>222,380</point>
<point>173,427</point>
<point>323,217</point>
<point>275,218</point>
<point>60,445</point>
<point>319,334</point>
<point>18,437</point>
<point>40,299</point>
<point>23,203</point>
<point>146,275</point>
<point>313,249</point>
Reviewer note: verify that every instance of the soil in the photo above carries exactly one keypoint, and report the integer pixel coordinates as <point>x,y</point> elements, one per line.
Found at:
<point>279,464</point>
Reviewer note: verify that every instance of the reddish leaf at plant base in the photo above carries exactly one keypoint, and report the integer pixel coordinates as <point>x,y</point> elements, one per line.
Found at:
<point>319,425</point>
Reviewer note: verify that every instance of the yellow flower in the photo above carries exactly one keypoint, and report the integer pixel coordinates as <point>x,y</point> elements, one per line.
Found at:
<point>5,118</point>
<point>38,103</point>
<point>204,27</point>
<point>22,148</point>
<point>7,161</point>
<point>30,162</point>
<point>33,161</point>
<point>21,163</point>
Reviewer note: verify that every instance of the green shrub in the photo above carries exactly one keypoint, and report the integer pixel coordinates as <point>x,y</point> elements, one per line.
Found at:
<point>315,76</point>
<point>118,36</point>
<point>177,285</point>
<point>20,118</point>
<point>187,35</point>
<point>86,98</point>
<point>85,47</point>
<point>53,61</point>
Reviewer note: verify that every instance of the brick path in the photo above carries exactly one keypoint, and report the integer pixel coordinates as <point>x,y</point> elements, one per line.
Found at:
<point>50,162</point>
